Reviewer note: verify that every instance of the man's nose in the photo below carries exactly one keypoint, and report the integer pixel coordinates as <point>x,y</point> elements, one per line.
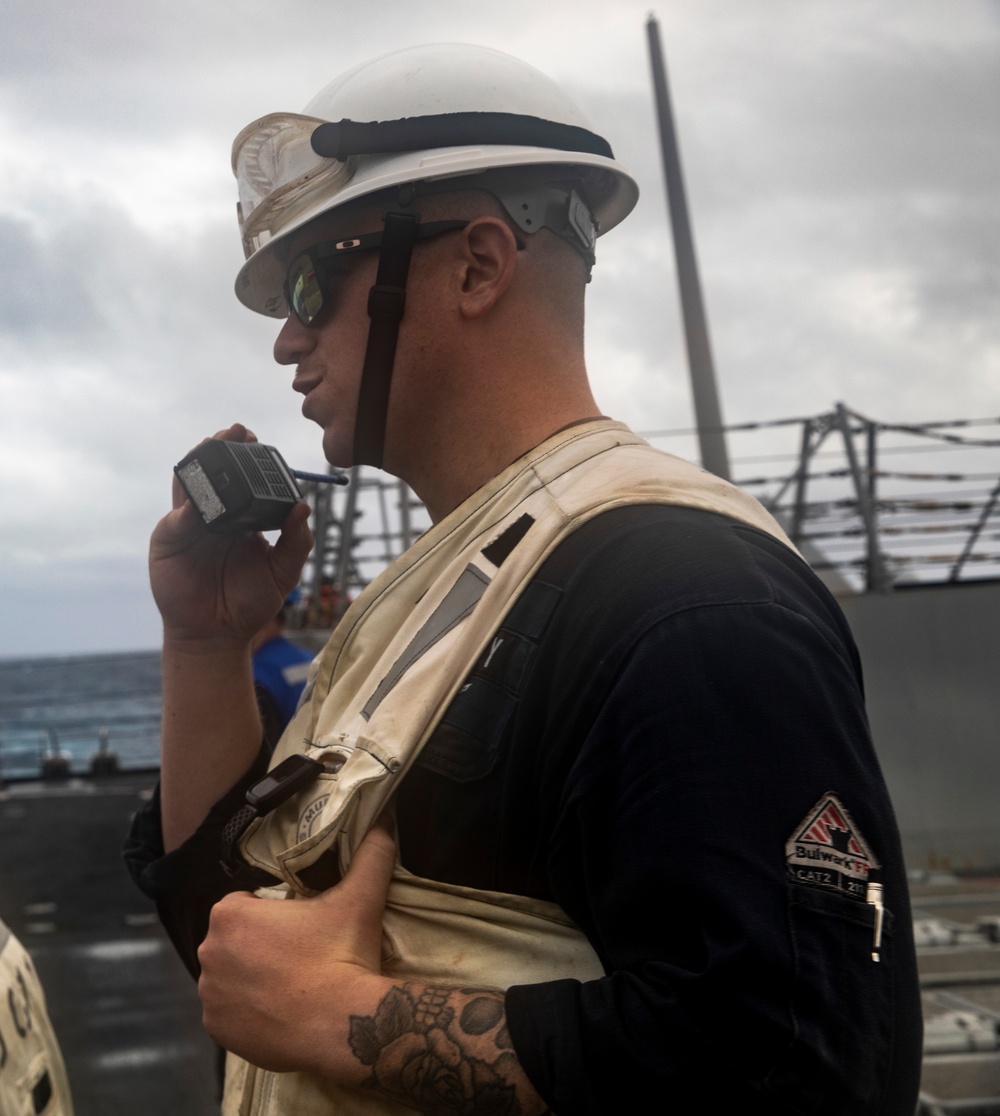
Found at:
<point>293,341</point>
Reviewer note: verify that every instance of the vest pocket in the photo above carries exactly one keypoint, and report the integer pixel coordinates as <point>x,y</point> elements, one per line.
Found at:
<point>466,744</point>
<point>841,1007</point>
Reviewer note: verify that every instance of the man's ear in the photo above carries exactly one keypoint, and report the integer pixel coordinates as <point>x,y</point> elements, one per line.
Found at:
<point>489,250</point>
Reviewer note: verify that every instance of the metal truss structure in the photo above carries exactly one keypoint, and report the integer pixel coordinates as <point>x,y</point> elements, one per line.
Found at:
<point>878,505</point>
<point>874,506</point>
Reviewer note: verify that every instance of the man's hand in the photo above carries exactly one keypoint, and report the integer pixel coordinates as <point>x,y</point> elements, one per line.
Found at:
<point>277,976</point>
<point>297,985</point>
<point>214,593</point>
<point>211,587</point>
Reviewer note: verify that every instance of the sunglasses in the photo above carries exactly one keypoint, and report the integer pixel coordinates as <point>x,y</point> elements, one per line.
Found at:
<point>308,290</point>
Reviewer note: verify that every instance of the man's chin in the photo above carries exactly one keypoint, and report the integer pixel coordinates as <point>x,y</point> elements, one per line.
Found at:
<point>339,455</point>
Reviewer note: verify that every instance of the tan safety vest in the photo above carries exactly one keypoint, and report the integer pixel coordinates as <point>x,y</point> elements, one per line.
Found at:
<point>32,1074</point>
<point>380,687</point>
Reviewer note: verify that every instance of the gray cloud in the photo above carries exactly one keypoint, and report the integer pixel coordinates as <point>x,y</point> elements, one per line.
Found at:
<point>841,164</point>
<point>40,296</point>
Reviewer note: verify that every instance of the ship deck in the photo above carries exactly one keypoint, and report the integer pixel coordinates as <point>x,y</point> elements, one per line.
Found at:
<point>127,1013</point>
<point>125,1009</point>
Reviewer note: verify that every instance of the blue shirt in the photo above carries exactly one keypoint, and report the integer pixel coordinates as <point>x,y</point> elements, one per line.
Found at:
<point>280,668</point>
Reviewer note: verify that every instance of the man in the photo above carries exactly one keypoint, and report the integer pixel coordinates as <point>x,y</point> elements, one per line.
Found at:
<point>645,855</point>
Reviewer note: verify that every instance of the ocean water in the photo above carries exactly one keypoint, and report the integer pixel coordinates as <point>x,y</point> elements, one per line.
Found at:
<point>64,703</point>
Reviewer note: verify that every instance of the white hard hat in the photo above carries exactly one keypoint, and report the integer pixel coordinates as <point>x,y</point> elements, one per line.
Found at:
<point>424,114</point>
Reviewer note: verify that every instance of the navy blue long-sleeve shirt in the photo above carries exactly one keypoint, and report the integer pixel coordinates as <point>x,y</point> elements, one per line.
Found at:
<point>675,699</point>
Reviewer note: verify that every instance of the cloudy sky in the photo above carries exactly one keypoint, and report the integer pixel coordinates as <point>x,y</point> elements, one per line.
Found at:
<point>841,159</point>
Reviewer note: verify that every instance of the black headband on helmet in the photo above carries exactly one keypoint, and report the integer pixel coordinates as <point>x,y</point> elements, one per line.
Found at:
<point>453,129</point>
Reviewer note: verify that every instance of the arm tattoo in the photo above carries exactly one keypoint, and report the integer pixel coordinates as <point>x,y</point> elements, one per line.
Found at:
<point>444,1051</point>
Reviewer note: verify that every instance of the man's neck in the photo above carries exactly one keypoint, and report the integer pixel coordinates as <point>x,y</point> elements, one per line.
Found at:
<point>491,394</point>
<point>452,487</point>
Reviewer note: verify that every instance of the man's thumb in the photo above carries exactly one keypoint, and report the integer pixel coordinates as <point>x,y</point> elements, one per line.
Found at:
<point>367,879</point>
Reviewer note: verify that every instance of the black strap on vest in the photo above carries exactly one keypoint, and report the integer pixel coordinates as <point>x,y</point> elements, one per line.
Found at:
<point>386,302</point>
<point>233,864</point>
<point>453,129</point>
<point>277,786</point>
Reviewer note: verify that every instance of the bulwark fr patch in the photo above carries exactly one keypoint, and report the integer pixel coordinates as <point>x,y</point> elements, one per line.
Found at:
<point>827,850</point>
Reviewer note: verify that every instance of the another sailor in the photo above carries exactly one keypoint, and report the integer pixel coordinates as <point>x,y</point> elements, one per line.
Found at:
<point>32,1073</point>
<point>280,671</point>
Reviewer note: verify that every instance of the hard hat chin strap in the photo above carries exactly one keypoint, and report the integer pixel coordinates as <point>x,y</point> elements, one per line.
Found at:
<point>386,302</point>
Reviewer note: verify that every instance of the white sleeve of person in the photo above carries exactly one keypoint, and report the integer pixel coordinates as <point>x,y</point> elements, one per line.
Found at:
<point>32,1075</point>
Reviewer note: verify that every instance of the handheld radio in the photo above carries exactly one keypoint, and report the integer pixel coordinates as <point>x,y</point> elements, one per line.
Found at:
<point>243,486</point>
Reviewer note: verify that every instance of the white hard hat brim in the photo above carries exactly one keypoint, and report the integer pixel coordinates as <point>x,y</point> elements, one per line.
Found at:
<point>260,282</point>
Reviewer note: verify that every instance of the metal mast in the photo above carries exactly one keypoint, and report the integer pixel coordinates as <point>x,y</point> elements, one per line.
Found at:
<point>708,413</point>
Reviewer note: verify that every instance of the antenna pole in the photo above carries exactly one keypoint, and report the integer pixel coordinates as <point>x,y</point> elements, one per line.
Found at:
<point>707,412</point>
